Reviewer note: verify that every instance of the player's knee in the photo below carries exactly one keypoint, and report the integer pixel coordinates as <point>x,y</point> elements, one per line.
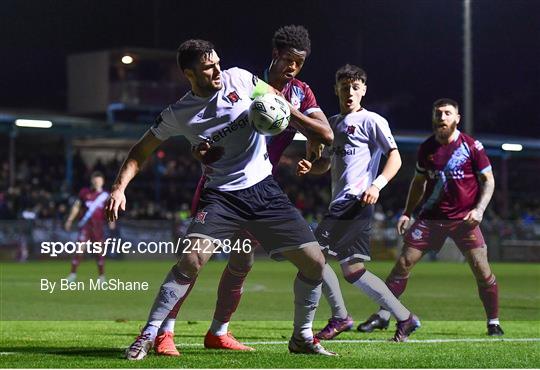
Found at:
<point>241,261</point>
<point>190,265</point>
<point>403,265</point>
<point>315,267</point>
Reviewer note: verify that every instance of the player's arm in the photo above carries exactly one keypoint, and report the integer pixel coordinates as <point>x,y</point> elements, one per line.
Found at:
<point>487,186</point>
<point>391,167</point>
<point>317,167</point>
<point>132,165</point>
<point>417,189</point>
<point>72,214</point>
<point>314,126</point>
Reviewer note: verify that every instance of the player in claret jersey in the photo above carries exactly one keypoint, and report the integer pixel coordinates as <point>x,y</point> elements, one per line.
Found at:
<point>90,209</point>
<point>361,137</point>
<point>291,47</point>
<point>239,194</point>
<point>453,185</point>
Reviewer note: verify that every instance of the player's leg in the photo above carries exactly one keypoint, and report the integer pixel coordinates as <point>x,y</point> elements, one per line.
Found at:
<point>310,262</point>
<point>396,282</point>
<point>230,291</point>
<point>78,257</point>
<point>421,237</point>
<point>340,320</point>
<point>99,237</point>
<point>283,232</point>
<point>164,343</point>
<point>229,294</point>
<point>472,245</point>
<point>173,291</point>
<point>356,274</point>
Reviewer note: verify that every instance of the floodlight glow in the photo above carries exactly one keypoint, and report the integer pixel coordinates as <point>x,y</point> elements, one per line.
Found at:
<point>127,59</point>
<point>299,137</point>
<point>34,123</point>
<point>512,147</point>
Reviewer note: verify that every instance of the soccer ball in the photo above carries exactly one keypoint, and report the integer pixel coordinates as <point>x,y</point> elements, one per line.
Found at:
<point>269,114</point>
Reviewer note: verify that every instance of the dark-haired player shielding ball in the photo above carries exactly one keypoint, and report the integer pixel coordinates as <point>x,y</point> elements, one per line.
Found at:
<point>291,48</point>
<point>240,193</point>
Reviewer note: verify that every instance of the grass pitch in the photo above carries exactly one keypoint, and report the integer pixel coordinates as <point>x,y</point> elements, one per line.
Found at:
<point>90,329</point>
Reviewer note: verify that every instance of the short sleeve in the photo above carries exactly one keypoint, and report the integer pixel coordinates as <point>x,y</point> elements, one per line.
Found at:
<point>165,125</point>
<point>251,84</point>
<point>480,159</point>
<point>383,136</point>
<point>309,103</point>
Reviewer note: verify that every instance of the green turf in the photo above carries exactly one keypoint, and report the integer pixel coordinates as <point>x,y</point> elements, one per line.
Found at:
<point>89,329</point>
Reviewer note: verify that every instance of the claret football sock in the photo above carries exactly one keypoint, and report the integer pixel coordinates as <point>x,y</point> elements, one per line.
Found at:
<point>75,262</point>
<point>307,293</point>
<point>229,293</point>
<point>489,294</point>
<point>397,284</point>
<point>101,265</point>
<point>332,292</point>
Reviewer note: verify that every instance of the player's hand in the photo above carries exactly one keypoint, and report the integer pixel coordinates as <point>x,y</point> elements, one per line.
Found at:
<point>314,150</point>
<point>403,224</point>
<point>474,217</point>
<point>116,201</point>
<point>67,225</point>
<point>206,153</point>
<point>303,167</point>
<point>370,196</point>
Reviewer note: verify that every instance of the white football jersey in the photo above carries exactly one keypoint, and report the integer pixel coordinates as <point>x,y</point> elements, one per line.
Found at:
<point>222,121</point>
<point>360,138</point>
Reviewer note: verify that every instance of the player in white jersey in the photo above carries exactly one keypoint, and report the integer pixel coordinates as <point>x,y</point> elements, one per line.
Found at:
<point>361,137</point>
<point>291,48</point>
<point>240,192</point>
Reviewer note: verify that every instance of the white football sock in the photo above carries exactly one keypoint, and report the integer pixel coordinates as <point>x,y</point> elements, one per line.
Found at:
<point>377,290</point>
<point>332,292</point>
<point>219,328</point>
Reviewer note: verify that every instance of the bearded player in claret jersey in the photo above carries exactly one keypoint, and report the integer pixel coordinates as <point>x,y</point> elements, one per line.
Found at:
<point>291,47</point>
<point>90,209</point>
<point>453,184</point>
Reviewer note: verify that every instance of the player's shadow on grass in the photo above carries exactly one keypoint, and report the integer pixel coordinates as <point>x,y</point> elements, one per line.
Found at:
<point>76,352</point>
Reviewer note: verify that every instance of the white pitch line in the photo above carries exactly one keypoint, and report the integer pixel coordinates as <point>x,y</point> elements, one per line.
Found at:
<point>465,340</point>
<point>456,340</point>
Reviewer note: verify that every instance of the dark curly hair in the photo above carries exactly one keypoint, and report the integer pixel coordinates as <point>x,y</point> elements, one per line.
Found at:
<point>292,36</point>
<point>189,53</point>
<point>351,72</point>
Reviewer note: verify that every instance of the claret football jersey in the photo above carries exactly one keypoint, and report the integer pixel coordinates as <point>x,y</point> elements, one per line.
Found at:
<point>301,97</point>
<point>451,170</point>
<point>221,119</point>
